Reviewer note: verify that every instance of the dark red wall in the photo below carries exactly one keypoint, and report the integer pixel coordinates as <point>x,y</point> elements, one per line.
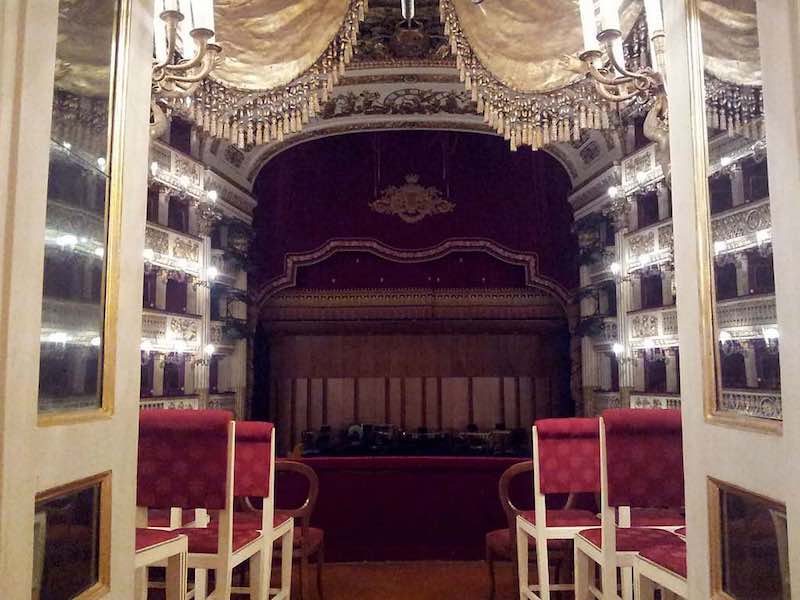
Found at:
<point>321,190</point>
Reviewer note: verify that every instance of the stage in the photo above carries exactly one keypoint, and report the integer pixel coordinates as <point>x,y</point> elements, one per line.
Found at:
<point>406,508</point>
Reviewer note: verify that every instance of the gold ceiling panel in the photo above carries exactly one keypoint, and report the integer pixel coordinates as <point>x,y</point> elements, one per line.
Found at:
<point>269,43</point>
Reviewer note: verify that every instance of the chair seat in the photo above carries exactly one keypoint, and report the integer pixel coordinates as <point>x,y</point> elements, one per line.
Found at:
<point>248,519</point>
<point>148,538</point>
<point>203,540</point>
<point>656,517</point>
<point>632,539</point>
<point>565,518</point>
<point>671,557</point>
<point>681,531</point>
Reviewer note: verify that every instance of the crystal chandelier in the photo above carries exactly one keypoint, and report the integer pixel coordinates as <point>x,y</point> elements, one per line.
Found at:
<point>603,62</point>
<point>185,52</point>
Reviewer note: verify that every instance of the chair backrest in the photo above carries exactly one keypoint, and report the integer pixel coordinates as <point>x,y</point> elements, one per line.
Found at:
<point>643,457</point>
<point>305,510</point>
<point>566,455</point>
<point>504,491</point>
<point>253,466</point>
<point>183,459</point>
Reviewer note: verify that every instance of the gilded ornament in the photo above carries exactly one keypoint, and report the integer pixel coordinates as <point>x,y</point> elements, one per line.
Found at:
<point>411,201</point>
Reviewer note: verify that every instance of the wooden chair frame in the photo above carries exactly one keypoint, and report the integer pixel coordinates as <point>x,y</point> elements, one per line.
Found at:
<point>541,533</point>
<point>647,576</point>
<point>173,554</point>
<point>303,514</point>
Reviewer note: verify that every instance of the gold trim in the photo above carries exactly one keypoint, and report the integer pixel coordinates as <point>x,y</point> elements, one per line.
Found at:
<point>110,293</point>
<point>103,584</point>
<point>709,358</point>
<point>714,487</point>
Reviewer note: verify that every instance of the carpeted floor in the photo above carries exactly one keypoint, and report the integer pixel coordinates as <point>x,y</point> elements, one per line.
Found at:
<point>411,581</point>
<point>403,581</point>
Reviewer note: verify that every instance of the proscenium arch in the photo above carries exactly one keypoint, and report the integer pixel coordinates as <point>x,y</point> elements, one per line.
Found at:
<point>527,260</point>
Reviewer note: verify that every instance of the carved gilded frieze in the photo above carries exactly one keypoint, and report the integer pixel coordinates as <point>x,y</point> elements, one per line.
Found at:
<point>188,168</point>
<point>641,244</point>
<point>644,326</point>
<point>665,237</point>
<point>188,249</point>
<point>154,326</point>
<point>741,223</point>
<point>156,240</point>
<point>670,322</point>
<point>185,329</point>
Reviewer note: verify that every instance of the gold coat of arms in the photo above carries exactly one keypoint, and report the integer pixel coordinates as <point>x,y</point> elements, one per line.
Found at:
<point>411,201</point>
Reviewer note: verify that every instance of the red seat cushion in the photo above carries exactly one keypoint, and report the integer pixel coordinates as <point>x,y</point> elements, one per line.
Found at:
<point>671,557</point>
<point>633,539</point>
<point>681,531</point>
<point>656,517</point>
<point>248,519</point>
<point>147,538</point>
<point>565,518</point>
<point>203,540</point>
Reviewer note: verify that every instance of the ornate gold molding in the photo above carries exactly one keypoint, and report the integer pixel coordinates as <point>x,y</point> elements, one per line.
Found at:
<point>411,201</point>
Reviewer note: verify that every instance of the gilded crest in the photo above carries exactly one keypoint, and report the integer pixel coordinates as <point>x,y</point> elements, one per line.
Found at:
<point>411,201</point>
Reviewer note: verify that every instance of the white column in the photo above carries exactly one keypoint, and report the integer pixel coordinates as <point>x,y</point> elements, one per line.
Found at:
<point>737,187</point>
<point>193,298</point>
<point>633,215</point>
<point>161,291</point>
<point>158,375</point>
<point>672,371</point>
<point>666,288</point>
<point>188,374</point>
<point>663,202</point>
<point>202,298</point>
<point>750,365</point>
<point>638,372</point>
<point>742,275</point>
<point>193,225</point>
<point>163,206</point>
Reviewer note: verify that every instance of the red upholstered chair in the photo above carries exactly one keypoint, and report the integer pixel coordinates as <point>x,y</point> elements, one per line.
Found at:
<point>308,541</point>
<point>186,460</point>
<point>153,547</point>
<point>255,478</point>
<point>641,459</point>
<point>661,566</point>
<point>566,459</point>
<point>501,543</point>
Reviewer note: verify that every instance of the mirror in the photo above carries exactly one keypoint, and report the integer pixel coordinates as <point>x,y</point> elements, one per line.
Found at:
<point>745,321</point>
<point>70,365</point>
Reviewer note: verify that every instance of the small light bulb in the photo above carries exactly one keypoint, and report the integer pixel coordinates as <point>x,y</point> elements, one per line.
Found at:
<point>210,349</point>
<point>95,341</point>
<point>725,161</point>
<point>720,247</point>
<point>99,252</point>
<point>762,236</point>
<point>180,346</point>
<point>212,195</point>
<point>101,162</point>
<point>154,168</point>
<point>58,337</point>
<point>613,191</point>
<point>66,240</point>
<point>615,268</point>
<point>771,333</point>
<point>148,254</point>
<point>185,181</point>
<point>212,273</point>
<point>641,177</point>
<point>618,348</point>
<point>67,145</point>
<point>725,337</point>
<point>145,346</point>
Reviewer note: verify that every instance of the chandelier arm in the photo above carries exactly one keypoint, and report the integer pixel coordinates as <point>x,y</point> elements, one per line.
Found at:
<point>179,92</point>
<point>602,90</point>
<point>604,79</point>
<point>644,79</point>
<point>200,54</point>
<point>199,76</point>
<point>172,36</point>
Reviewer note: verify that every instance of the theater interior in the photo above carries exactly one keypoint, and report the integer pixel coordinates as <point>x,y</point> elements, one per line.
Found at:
<point>399,299</point>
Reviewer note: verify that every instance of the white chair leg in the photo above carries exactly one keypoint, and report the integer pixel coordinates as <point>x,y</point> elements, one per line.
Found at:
<point>582,575</point>
<point>522,563</point>
<point>257,573</point>
<point>543,565</point>
<point>200,584</point>
<point>627,583</point>
<point>608,572</point>
<point>140,584</point>
<point>176,577</point>
<point>223,582</point>
<point>644,589</point>
<point>287,544</point>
